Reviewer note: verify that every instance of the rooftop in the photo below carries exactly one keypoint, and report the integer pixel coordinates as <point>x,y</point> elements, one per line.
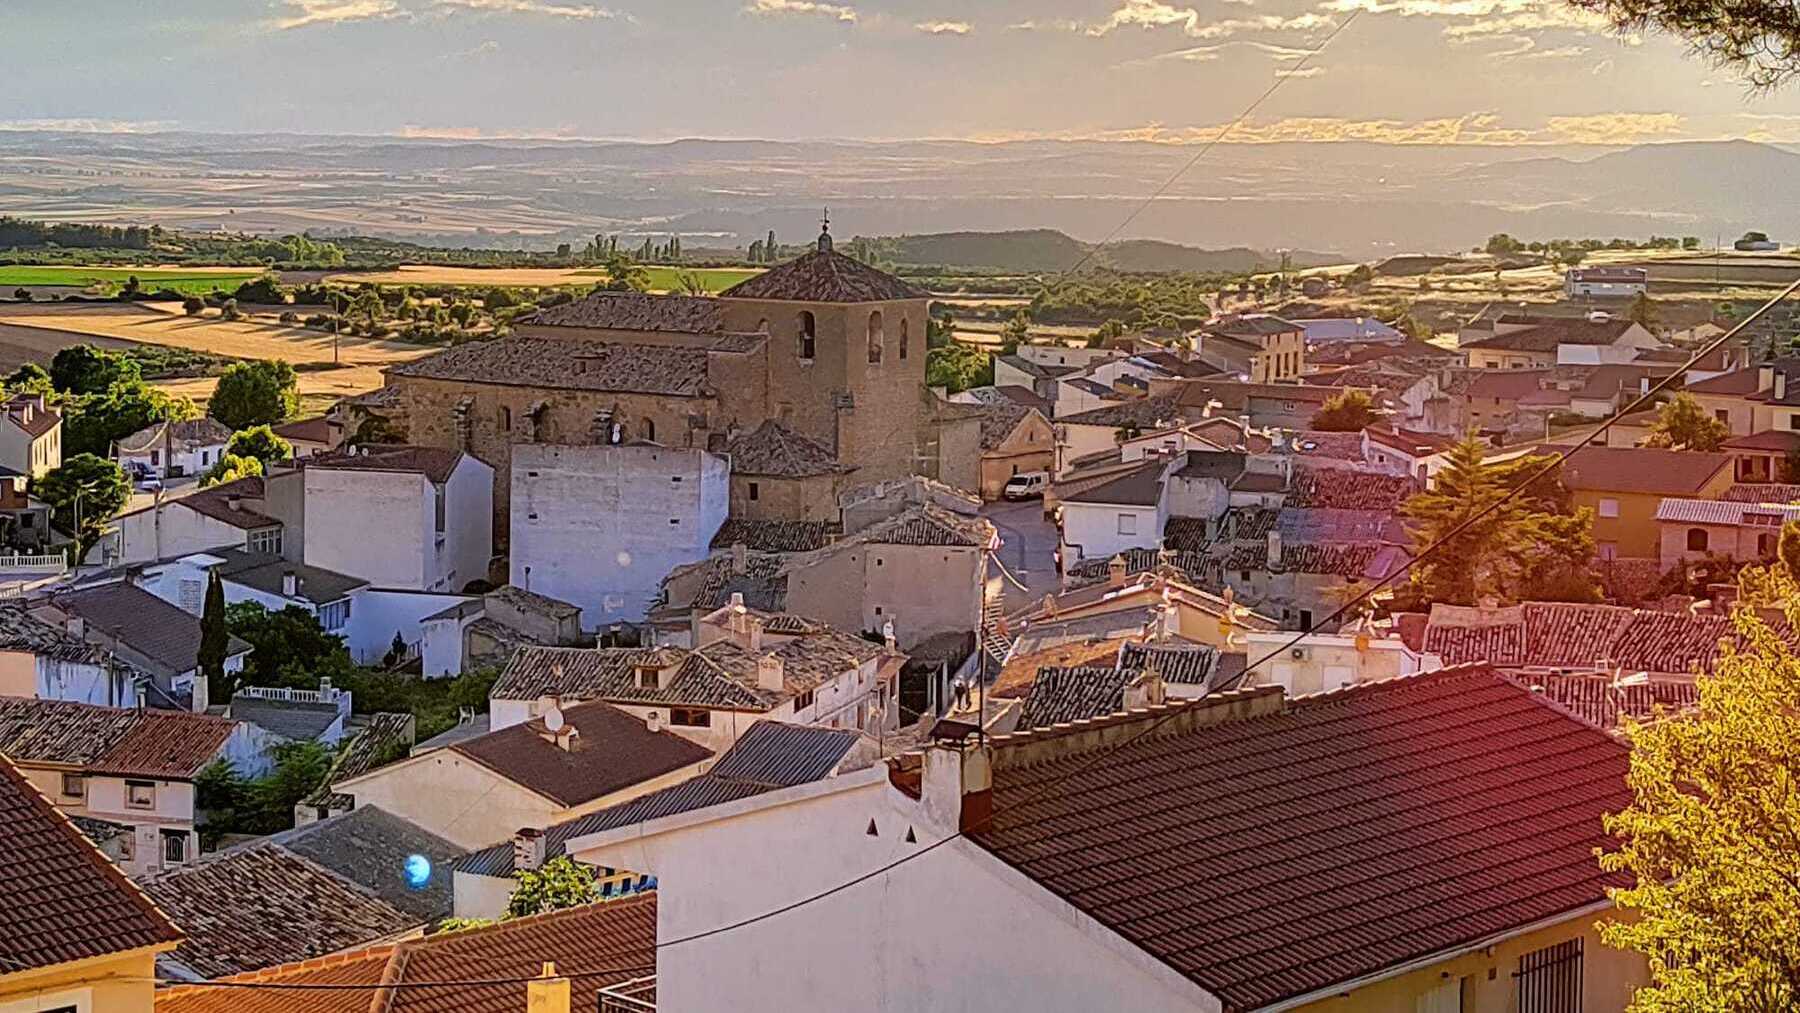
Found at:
<point>636,311</point>
<point>569,364</point>
<point>597,945</point>
<point>773,535</point>
<point>163,634</point>
<point>1565,635</point>
<point>435,463</point>
<point>186,435</point>
<point>61,900</point>
<point>825,275</point>
<point>266,572</point>
<point>1452,805</point>
<point>774,450</point>
<point>1063,695</point>
<point>22,631</point>
<point>1250,325</point>
<point>1142,487</point>
<point>1546,335</point>
<point>1644,470</point>
<point>149,743</point>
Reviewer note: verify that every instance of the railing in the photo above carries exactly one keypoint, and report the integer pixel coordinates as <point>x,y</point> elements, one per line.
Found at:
<point>634,996</point>
<point>328,696</point>
<point>34,564</point>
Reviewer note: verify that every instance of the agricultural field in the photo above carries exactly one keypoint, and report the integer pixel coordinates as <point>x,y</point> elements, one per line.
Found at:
<point>662,278</point>
<point>36,331</point>
<point>108,280</point>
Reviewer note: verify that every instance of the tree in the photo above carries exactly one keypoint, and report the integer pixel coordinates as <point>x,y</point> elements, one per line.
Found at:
<point>22,294</point>
<point>84,369</point>
<point>261,443</point>
<point>957,367</point>
<point>690,283</point>
<point>1709,838</point>
<point>1016,329</point>
<point>255,393</point>
<point>86,486</point>
<point>229,311</point>
<point>561,883</point>
<point>1500,244</point>
<point>30,378</point>
<point>1350,411</point>
<point>215,637</point>
<point>1642,312</point>
<point>289,648</point>
<point>1754,236</point>
<point>193,305</point>
<point>1105,333</point>
<point>1359,277</point>
<point>264,288</point>
<point>1682,424</point>
<point>1690,242</point>
<point>229,468</point>
<point>623,276</point>
<point>91,424</point>
<point>1533,546</point>
<point>1787,549</point>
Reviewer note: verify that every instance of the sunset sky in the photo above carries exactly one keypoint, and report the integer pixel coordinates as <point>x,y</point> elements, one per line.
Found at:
<point>1466,71</point>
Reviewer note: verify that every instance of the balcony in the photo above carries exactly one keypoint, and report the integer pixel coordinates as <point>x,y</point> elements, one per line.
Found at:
<point>635,996</point>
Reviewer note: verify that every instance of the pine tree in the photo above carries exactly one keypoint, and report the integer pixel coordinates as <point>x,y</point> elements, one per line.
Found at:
<point>769,248</point>
<point>215,639</point>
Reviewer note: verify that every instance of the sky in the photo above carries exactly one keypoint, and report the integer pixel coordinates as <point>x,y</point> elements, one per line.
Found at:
<point>1445,71</point>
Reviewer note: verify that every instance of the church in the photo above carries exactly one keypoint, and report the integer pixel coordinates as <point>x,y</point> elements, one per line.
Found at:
<point>808,375</point>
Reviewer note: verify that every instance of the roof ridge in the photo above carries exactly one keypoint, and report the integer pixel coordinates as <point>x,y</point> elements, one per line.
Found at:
<point>392,974</point>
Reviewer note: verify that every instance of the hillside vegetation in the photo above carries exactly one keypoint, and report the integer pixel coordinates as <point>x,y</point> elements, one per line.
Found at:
<point>1046,250</point>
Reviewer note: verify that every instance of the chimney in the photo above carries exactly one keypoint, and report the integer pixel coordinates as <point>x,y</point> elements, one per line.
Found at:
<point>653,721</point>
<point>1115,571</point>
<point>887,637</point>
<point>1780,384</point>
<point>528,849</point>
<point>958,785</point>
<point>234,501</point>
<point>290,582</point>
<point>753,633</point>
<point>76,626</point>
<point>547,993</point>
<point>1765,377</point>
<point>740,562</point>
<point>770,675</point>
<point>1274,548</point>
<point>1147,690</point>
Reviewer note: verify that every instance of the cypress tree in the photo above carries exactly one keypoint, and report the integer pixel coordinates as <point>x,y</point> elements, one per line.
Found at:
<point>214,639</point>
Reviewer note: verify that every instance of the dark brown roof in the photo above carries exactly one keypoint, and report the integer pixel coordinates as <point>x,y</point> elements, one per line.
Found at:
<point>1142,487</point>
<point>163,634</point>
<point>1322,839</point>
<point>1506,384</point>
<point>927,525</point>
<point>613,751</point>
<point>1741,381</point>
<point>1235,395</point>
<point>1777,440</point>
<point>773,535</point>
<point>569,364</point>
<point>998,420</point>
<point>1640,470</point>
<point>1566,635</point>
<point>22,631</point>
<point>1546,336</point>
<point>42,419</point>
<point>314,430</point>
<point>1343,489</point>
<point>61,900</point>
<point>1254,325</point>
<point>112,740</point>
<point>1062,695</point>
<point>825,276</point>
<point>774,450</point>
<point>632,311</point>
<point>435,463</point>
<point>216,503</point>
<point>596,945</point>
<point>1138,413</point>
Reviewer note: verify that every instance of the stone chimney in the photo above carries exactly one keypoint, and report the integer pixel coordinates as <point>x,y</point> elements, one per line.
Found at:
<point>1147,690</point>
<point>957,790</point>
<point>234,501</point>
<point>528,849</point>
<point>1274,548</point>
<point>1780,384</point>
<point>753,633</point>
<point>653,721</point>
<point>290,583</point>
<point>547,993</point>
<point>1765,377</point>
<point>76,626</point>
<point>740,564</point>
<point>771,675</point>
<point>1115,571</point>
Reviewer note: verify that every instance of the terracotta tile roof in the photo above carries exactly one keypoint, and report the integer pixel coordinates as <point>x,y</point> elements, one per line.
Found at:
<point>1739,382</point>
<point>159,633</point>
<point>1343,834</point>
<point>435,463</point>
<point>22,631</point>
<point>388,734</point>
<point>1571,636</point>
<point>1409,441</point>
<point>215,502</point>
<point>606,943</point>
<point>825,276</point>
<point>256,906</point>
<point>569,364</point>
<point>1597,701</point>
<point>1255,325</point>
<point>633,311</point>
<point>927,525</point>
<point>1061,695</point>
<point>1316,443</point>
<point>1546,336</point>
<point>613,751</point>
<point>61,900</point>
<point>1235,396</point>
<point>1089,572</point>
<point>775,450</point>
<point>774,536</point>
<point>148,743</point>
<point>1503,384</point>
<point>1037,370</point>
<point>1140,413</point>
<point>1338,559</point>
<point>1640,470</point>
<point>1763,493</point>
<point>1777,440</point>
<point>1183,664</point>
<point>314,430</point>
<point>762,583</point>
<point>999,420</point>
<point>28,412</point>
<point>1344,489</point>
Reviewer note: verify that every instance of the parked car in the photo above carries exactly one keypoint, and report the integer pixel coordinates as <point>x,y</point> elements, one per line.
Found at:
<point>1026,485</point>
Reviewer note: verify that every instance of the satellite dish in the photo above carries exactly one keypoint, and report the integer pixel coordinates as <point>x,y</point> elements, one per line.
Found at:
<point>553,719</point>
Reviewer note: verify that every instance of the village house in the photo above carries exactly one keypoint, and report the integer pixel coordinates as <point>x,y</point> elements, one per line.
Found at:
<point>239,513</point>
<point>1327,662</point>
<point>1624,487</point>
<point>560,763</point>
<point>376,739</point>
<point>130,768</point>
<point>1408,452</point>
<point>30,436</point>
<point>173,449</point>
<point>302,893</point>
<point>53,879</point>
<point>402,517</point>
<point>772,755</point>
<point>1187,611</point>
<point>1015,440</point>
<point>829,348</point>
<point>275,584</point>
<point>599,526</point>
<point>1754,400</point>
<point>152,636</point>
<point>291,714</point>
<point>1119,823</point>
<point>1257,347</point>
<point>1522,341</point>
<point>1320,331</point>
<point>47,659</point>
<point>477,632</point>
<point>24,519</point>
<point>1696,529</point>
<point>1763,457</point>
<point>747,665</point>
<point>307,436</point>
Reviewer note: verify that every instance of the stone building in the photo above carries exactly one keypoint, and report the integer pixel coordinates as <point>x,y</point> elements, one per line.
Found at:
<point>822,350</point>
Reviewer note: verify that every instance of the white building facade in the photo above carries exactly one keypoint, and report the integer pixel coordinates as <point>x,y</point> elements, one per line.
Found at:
<point>401,521</point>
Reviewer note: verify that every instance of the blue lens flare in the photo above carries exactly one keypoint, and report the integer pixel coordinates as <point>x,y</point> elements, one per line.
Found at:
<point>418,871</point>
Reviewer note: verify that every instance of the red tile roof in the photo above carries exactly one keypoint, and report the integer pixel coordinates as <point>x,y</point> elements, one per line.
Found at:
<point>1343,835</point>
<point>1640,470</point>
<point>1778,440</point>
<point>1566,635</point>
<point>60,899</point>
<point>114,740</point>
<point>825,276</point>
<point>613,751</point>
<point>607,943</point>
<point>1762,493</point>
<point>1546,336</point>
<point>435,463</point>
<point>1344,489</point>
<point>1738,382</point>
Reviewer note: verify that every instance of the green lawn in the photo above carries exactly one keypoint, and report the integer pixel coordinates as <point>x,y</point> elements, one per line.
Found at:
<point>668,279</point>
<point>151,278</point>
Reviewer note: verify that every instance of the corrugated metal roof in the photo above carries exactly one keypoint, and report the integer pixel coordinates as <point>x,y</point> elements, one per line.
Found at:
<point>1709,511</point>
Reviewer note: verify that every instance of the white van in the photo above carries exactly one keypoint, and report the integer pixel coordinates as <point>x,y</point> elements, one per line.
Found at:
<point>1026,485</point>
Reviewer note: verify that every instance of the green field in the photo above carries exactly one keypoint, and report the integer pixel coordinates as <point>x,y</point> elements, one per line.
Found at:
<point>111,278</point>
<point>668,279</point>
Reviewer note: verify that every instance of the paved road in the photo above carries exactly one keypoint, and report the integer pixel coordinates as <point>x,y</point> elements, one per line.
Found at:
<point>1028,549</point>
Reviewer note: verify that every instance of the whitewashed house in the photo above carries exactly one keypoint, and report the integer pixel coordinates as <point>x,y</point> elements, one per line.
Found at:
<point>52,661</point>
<point>240,514</point>
<point>173,449</point>
<point>402,517</point>
<point>599,526</point>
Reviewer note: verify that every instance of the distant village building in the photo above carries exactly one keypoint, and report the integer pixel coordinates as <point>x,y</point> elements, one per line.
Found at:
<point>173,449</point>
<point>30,436</point>
<point>1259,347</point>
<point>1605,282</point>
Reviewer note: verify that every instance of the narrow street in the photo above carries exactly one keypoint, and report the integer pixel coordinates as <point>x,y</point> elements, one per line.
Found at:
<point>1027,550</point>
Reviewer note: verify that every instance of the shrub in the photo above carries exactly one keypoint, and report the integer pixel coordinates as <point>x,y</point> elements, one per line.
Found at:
<point>193,305</point>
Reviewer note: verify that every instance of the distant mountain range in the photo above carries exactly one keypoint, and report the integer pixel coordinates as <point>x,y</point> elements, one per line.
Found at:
<point>1364,199</point>
<point>1045,250</point>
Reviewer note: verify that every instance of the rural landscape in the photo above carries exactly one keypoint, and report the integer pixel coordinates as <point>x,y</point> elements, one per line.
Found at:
<point>1169,506</point>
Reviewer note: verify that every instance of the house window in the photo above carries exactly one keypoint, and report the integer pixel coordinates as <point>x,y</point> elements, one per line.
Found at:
<point>1765,545</point>
<point>1794,421</point>
<point>266,540</point>
<point>1696,539</point>
<point>876,337</point>
<point>1128,524</point>
<point>74,786</point>
<point>905,336</point>
<point>1609,508</point>
<point>335,616</point>
<point>174,845</point>
<point>690,717</point>
<point>649,430</point>
<point>140,794</point>
<point>505,419</point>
<point>437,492</point>
<point>754,490</point>
<point>1550,979</point>
<point>1609,550</point>
<point>1723,415</point>
<point>809,326</point>
<point>646,678</point>
<point>803,701</point>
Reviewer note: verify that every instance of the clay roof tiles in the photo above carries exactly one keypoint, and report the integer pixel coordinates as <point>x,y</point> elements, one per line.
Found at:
<point>147,743</point>
<point>636,311</point>
<point>569,364</point>
<point>825,276</point>
<point>774,450</point>
<point>613,751</point>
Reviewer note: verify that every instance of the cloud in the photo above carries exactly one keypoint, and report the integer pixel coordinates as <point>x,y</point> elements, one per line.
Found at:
<point>475,52</point>
<point>583,12</point>
<point>1207,54</point>
<point>1155,14</point>
<point>1614,128</point>
<point>90,126</point>
<point>305,13</point>
<point>945,27</point>
<point>1299,71</point>
<point>1053,25</point>
<point>774,8</point>
<point>1472,128</point>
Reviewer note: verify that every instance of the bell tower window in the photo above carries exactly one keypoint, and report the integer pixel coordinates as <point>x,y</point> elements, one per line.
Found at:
<point>905,337</point>
<point>875,337</point>
<point>809,327</point>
